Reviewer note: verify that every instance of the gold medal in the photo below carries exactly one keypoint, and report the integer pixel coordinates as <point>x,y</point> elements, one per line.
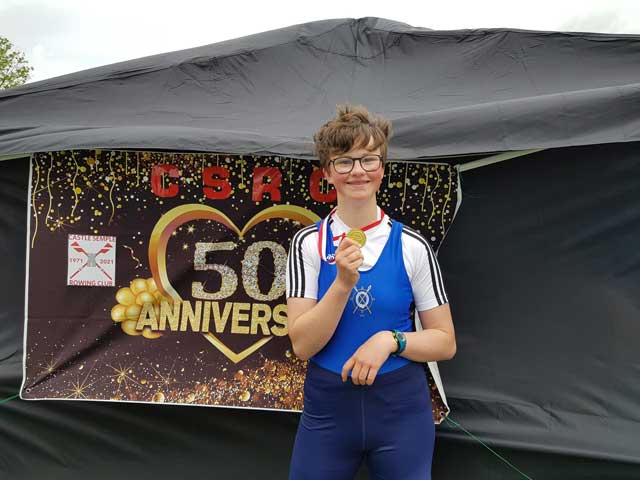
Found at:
<point>357,236</point>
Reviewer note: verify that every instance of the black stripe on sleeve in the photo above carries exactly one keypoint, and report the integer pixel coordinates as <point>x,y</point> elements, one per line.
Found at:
<point>436,268</point>
<point>436,275</point>
<point>297,277</point>
<point>290,268</point>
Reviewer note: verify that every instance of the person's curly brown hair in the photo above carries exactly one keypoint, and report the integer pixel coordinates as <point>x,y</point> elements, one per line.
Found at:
<point>352,127</point>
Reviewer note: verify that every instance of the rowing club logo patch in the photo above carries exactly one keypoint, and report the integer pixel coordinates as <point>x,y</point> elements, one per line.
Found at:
<point>362,299</point>
<point>92,261</point>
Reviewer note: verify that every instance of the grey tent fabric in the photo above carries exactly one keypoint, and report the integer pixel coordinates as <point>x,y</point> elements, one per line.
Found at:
<point>541,264</point>
<point>448,92</point>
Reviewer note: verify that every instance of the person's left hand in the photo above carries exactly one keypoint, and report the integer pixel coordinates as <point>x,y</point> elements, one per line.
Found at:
<point>367,360</point>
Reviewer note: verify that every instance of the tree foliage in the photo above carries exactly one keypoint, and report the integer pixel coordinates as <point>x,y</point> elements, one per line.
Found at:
<point>14,69</point>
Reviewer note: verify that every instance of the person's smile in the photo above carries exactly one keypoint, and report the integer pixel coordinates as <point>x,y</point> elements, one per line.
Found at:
<point>358,183</point>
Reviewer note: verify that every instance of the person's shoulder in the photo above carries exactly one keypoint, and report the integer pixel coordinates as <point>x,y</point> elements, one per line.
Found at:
<point>305,234</point>
<point>414,238</point>
<point>306,230</point>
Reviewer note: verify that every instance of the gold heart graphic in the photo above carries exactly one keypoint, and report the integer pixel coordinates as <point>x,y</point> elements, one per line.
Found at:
<point>175,217</point>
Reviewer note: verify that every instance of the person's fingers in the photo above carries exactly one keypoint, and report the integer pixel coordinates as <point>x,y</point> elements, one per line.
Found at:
<point>346,243</point>
<point>348,365</point>
<point>357,260</point>
<point>363,374</point>
<point>353,265</point>
<point>349,256</point>
<point>373,372</point>
<point>350,251</point>
<point>350,262</point>
<point>355,373</point>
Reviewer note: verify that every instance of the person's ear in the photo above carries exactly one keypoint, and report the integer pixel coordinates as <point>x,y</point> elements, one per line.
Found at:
<point>327,176</point>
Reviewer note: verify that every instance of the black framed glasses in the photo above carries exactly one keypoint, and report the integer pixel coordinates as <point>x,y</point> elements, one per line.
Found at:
<point>369,163</point>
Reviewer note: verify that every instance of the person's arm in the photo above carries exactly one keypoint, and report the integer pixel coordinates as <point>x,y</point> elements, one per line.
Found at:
<point>312,323</point>
<point>437,340</point>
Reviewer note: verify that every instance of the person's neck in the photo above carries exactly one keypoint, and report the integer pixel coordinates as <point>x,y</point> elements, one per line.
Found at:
<point>355,215</point>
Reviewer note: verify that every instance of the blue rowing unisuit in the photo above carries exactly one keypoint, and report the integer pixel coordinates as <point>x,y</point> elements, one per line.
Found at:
<point>381,300</point>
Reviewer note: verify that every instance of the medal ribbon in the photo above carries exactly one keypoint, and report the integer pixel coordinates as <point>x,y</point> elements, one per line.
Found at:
<point>326,248</point>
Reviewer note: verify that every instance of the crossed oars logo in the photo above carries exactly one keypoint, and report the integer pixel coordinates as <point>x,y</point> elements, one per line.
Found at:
<point>91,258</point>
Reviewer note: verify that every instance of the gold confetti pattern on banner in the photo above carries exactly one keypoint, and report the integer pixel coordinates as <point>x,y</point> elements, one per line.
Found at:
<point>112,179</point>
<point>274,382</point>
<point>95,185</point>
<point>80,387</point>
<point>34,189</point>
<point>48,215</point>
<point>277,383</point>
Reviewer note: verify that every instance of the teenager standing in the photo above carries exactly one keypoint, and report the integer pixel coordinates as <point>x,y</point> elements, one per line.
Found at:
<point>353,283</point>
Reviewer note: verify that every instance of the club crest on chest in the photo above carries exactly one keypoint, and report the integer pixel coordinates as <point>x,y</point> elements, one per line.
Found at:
<point>362,299</point>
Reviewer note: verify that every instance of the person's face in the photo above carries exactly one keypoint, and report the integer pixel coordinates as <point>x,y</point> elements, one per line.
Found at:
<point>357,184</point>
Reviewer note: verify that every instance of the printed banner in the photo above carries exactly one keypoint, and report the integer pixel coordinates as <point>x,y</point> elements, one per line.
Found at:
<point>160,277</point>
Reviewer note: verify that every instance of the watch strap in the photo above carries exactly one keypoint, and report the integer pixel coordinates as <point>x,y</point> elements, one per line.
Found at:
<point>401,341</point>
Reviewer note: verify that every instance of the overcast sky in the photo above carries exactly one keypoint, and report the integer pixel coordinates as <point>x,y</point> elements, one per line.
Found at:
<point>65,36</point>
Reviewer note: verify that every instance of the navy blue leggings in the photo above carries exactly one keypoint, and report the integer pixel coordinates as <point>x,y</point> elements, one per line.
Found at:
<point>389,425</point>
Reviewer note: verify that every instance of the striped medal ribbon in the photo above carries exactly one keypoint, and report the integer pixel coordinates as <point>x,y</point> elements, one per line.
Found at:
<point>326,247</point>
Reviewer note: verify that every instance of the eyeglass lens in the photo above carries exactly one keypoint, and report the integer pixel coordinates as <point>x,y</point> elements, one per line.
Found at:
<point>369,163</point>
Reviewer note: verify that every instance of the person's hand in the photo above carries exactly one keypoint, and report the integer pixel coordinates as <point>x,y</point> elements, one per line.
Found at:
<point>367,360</point>
<point>348,260</point>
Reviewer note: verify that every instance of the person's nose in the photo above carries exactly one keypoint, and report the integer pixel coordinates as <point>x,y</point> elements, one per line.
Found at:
<point>357,168</point>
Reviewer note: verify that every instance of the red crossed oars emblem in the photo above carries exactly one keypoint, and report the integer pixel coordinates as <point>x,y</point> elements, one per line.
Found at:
<point>76,246</point>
